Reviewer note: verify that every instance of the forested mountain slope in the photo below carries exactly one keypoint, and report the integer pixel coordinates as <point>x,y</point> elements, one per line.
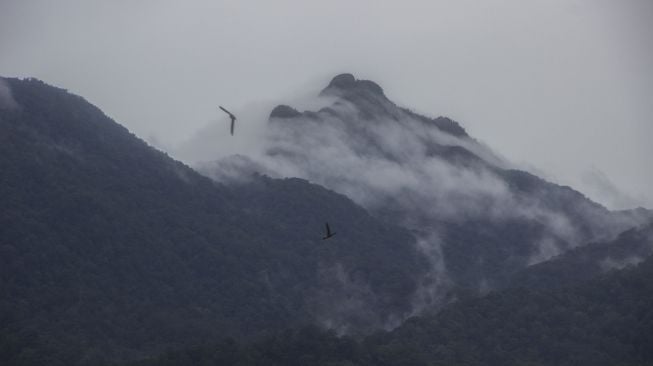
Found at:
<point>110,249</point>
<point>581,264</point>
<point>605,321</point>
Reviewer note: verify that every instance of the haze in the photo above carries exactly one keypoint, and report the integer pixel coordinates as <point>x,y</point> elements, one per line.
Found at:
<point>562,87</point>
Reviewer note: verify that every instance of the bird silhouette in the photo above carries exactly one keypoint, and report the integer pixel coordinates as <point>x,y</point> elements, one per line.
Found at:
<point>328,232</point>
<point>233,119</point>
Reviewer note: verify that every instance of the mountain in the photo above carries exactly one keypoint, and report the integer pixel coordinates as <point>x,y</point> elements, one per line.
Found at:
<point>605,321</point>
<point>584,263</point>
<point>477,218</point>
<point>112,250</point>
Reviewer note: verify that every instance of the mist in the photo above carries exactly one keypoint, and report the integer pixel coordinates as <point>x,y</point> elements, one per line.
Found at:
<point>559,85</point>
<point>409,171</point>
<point>6,98</point>
<point>600,187</point>
<point>386,164</point>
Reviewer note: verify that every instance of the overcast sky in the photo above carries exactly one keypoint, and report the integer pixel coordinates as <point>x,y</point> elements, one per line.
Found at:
<point>562,87</point>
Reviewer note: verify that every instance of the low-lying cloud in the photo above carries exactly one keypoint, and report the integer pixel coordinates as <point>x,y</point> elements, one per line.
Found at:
<point>410,171</point>
<point>7,100</point>
<point>599,186</point>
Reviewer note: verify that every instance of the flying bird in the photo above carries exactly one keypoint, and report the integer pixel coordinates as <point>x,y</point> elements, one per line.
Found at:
<point>328,232</point>
<point>233,119</point>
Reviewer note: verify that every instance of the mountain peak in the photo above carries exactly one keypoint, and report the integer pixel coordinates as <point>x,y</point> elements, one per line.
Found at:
<point>284,111</point>
<point>347,83</point>
<point>343,81</point>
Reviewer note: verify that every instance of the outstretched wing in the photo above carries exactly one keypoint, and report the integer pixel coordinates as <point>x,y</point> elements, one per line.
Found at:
<point>231,115</point>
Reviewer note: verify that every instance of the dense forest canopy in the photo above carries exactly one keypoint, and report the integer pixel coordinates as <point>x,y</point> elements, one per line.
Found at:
<point>605,321</point>
<point>111,251</point>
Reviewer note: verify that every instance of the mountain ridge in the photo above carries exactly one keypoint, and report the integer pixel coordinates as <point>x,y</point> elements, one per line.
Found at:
<point>112,250</point>
<point>604,321</point>
<point>430,176</point>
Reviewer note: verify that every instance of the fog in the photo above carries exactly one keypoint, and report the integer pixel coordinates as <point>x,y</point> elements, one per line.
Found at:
<point>411,173</point>
<point>561,87</point>
<point>6,98</point>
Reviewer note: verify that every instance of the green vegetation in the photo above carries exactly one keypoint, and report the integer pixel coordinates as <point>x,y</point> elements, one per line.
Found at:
<point>607,321</point>
<point>584,263</point>
<point>111,250</point>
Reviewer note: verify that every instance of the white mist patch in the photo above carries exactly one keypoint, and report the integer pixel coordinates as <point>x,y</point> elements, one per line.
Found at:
<point>7,100</point>
<point>547,248</point>
<point>214,141</point>
<point>342,302</point>
<point>233,169</point>
<point>391,164</point>
<point>431,289</point>
<point>612,263</point>
<point>600,187</point>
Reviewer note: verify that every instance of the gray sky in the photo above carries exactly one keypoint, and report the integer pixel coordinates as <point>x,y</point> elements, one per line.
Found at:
<point>563,87</point>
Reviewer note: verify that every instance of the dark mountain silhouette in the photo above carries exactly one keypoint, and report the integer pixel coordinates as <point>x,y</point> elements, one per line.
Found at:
<point>584,263</point>
<point>605,321</point>
<point>111,250</point>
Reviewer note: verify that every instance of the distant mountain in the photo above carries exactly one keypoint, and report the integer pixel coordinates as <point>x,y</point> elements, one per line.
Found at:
<point>584,263</point>
<point>606,321</point>
<point>110,250</point>
<point>477,218</point>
